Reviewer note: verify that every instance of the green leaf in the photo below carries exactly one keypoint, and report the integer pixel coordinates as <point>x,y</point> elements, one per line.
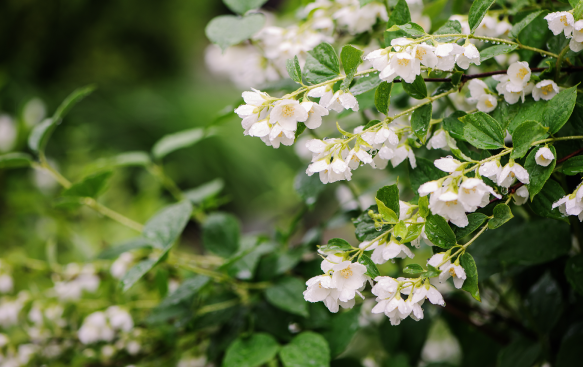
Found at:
<point>471,283</point>
<point>574,272</point>
<point>413,269</point>
<point>91,186</point>
<point>254,351</point>
<point>220,234</point>
<point>391,35</point>
<point>371,268</point>
<point>570,351</point>
<point>425,172</point>
<point>544,303</point>
<point>229,30</point>
<point>294,70</point>
<point>113,252</point>
<point>496,50</point>
<point>420,121</point>
<point>121,160</point>
<point>186,290</point>
<point>524,135</point>
<point>71,100</point>
<point>39,136</point>
<point>518,27</point>
<point>243,6</point>
<point>538,174</point>
<point>439,232</point>
<point>477,12</point>
<point>578,11</point>
<point>454,126</point>
<point>308,349</point>
<point>351,57</point>
<point>483,131</point>
<point>559,109</point>
<point>14,160</point>
<point>336,244</point>
<point>417,89</point>
<point>365,226</point>
<point>389,195</point>
<point>287,294</point>
<point>137,272</point>
<point>164,228</point>
<point>204,191</point>
<point>343,327</point>
<point>475,221</point>
<point>308,187</point>
<point>410,30</point>
<point>173,142</point>
<point>364,84</point>
<point>450,27</point>
<point>399,15</point>
<point>542,203</point>
<point>522,353</point>
<point>423,206</point>
<point>322,64</point>
<point>571,167</point>
<point>502,214</point>
<point>382,97</point>
<point>400,229</point>
<point>389,214</point>
<point>413,231</point>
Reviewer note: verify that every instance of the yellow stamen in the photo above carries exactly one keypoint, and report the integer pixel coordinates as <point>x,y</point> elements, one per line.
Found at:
<point>450,203</point>
<point>403,62</point>
<point>346,273</point>
<point>563,20</point>
<point>488,104</point>
<point>288,111</point>
<point>547,89</point>
<point>522,73</point>
<point>420,53</point>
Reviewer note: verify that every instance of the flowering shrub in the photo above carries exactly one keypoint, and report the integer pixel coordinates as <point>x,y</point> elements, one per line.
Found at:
<point>479,114</point>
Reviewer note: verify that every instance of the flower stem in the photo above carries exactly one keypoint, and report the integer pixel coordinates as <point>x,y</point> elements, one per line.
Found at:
<point>93,204</point>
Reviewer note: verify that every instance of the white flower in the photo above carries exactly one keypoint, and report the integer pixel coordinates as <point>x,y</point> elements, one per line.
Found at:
<point>357,155</point>
<point>8,132</point>
<point>325,93</point>
<point>487,103</point>
<point>342,100</point>
<point>318,288</point>
<point>561,21</point>
<point>488,27</point>
<point>119,319</point>
<point>385,287</point>
<point>463,21</point>
<point>448,270</point>
<point>475,193</point>
<point>315,113</point>
<point>575,46</point>
<point>360,19</point>
<point>470,55</point>
<point>521,195</point>
<point>9,311</point>
<point>578,31</point>
<point>401,64</point>
<point>287,113</point>
<point>479,93</point>
<point>491,169</point>
<point>428,187</point>
<point>445,202</point>
<point>121,265</point>
<point>545,89</point>
<point>519,75</point>
<point>446,54</point>
<point>510,173</point>
<point>571,204</point>
<point>378,58</point>
<point>438,140</point>
<point>95,328</point>
<point>401,153</point>
<point>544,156</point>
<point>348,278</point>
<point>6,283</point>
<point>385,134</point>
<point>425,54</point>
<point>430,292</point>
<point>280,135</point>
<point>447,164</point>
<point>390,250</point>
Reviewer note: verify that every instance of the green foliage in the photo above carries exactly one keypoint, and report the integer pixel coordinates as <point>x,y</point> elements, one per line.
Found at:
<point>351,58</point>
<point>201,193</point>
<point>502,214</point>
<point>114,251</point>
<point>544,304</point>
<point>164,228</point>
<point>185,291</point>
<point>229,30</point>
<point>537,173</point>
<point>342,329</point>
<point>90,186</point>
<point>420,120</point>
<point>518,27</point>
<point>483,131</point>
<point>336,244</point>
<point>294,70</point>
<point>439,232</point>
<point>496,50</point>
<point>454,126</point>
<point>365,84</point>
<point>308,187</point>
<point>371,268</point>
<point>220,234</point>
<point>549,194</point>
<point>572,166</point>
<point>14,160</point>
<point>471,283</point>
<point>322,64</point>
<point>399,15</point>
<point>286,294</point>
<point>425,172</point>
<point>417,89</point>
<point>382,97</point>
<point>173,142</point>
<point>413,269</point>
<point>308,349</point>
<point>450,27</point>
<point>389,196</point>
<point>137,272</point>
<point>477,12</point>
<point>253,351</point>
<point>522,353</point>
<point>574,272</point>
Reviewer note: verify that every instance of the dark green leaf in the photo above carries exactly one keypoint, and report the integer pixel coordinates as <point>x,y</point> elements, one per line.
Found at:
<point>253,351</point>
<point>475,221</point>
<point>574,272</point>
<point>522,353</point>
<point>524,135</point>
<point>308,187</point>
<point>542,203</point>
<point>114,251</point>
<point>450,27</point>
<point>308,349</point>
<point>483,131</point>
<point>423,206</point>
<point>287,294</point>
<point>538,174</point>
<point>294,70</point>
<point>471,283</point>
<point>137,272</point>
<point>518,27</point>
<point>454,126</point>
<point>439,232</point>
<point>351,57</point>
<point>365,84</point>
<point>417,89</point>
<point>322,64</point>
<point>186,290</point>
<point>391,35</point>
<point>425,172</point>
<point>571,167</point>
<point>229,30</point>
<point>559,109</point>
<point>371,268</point>
<point>344,326</point>
<point>477,12</point>
<point>570,351</point>
<point>382,97</point>
<point>399,15</point>
<point>502,214</point>
<point>71,100</point>
<point>164,228</point>
<point>173,142</point>
<point>243,6</point>
<point>13,160</point>
<point>389,195</point>
<point>204,191</point>
<point>91,186</point>
<point>496,50</point>
<point>544,303</point>
<point>413,269</point>
<point>413,231</point>
<point>336,244</point>
<point>420,121</point>
<point>220,234</point>
<point>365,226</point>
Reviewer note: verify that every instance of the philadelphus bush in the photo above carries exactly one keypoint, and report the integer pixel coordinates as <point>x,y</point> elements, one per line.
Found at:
<point>475,105</point>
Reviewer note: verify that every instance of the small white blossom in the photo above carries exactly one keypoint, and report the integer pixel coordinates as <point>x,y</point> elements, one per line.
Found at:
<point>521,195</point>
<point>342,100</point>
<point>470,55</point>
<point>95,328</point>
<point>315,113</point>
<point>545,89</point>
<point>446,54</point>
<point>519,75</point>
<point>475,193</point>
<point>491,169</point>
<point>8,133</point>
<point>288,112</point>
<point>389,250</point>
<point>510,173</point>
<point>401,65</point>
<point>544,156</point>
<point>438,140</point>
<point>571,204</point>
<point>121,265</point>
<point>448,270</point>
<point>424,54</point>
<point>325,93</point>
<point>447,164</point>
<point>479,93</point>
<point>445,202</point>
<point>561,21</point>
<point>119,319</point>
<point>430,292</point>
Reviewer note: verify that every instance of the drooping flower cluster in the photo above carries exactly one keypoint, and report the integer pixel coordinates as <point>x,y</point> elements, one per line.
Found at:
<point>104,325</point>
<point>572,204</point>
<point>516,84</point>
<point>563,22</point>
<point>454,196</point>
<point>504,176</point>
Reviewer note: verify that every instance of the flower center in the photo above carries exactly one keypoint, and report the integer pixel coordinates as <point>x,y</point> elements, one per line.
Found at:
<point>420,53</point>
<point>512,174</point>
<point>522,73</point>
<point>288,111</point>
<point>346,273</point>
<point>488,104</point>
<point>403,62</point>
<point>467,191</point>
<point>450,203</point>
<point>452,271</point>
<point>563,20</point>
<point>547,89</point>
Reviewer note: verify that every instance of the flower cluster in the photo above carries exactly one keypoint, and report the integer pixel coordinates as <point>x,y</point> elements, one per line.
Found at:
<point>121,265</point>
<point>517,83</point>
<point>103,325</point>
<point>77,279</point>
<point>563,22</point>
<point>504,176</point>
<point>572,204</point>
